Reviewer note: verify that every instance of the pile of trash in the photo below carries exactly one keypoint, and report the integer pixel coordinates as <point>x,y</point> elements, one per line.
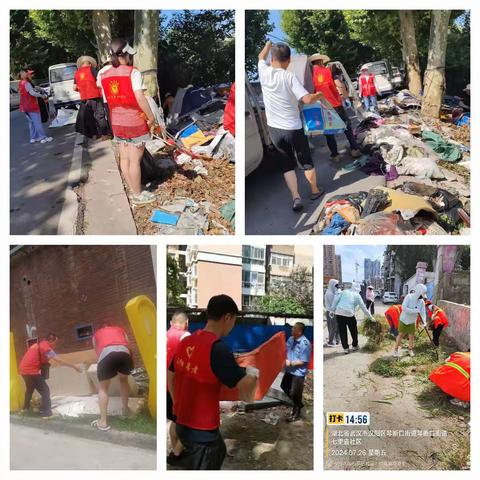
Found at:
<point>426,170</point>
<point>191,170</point>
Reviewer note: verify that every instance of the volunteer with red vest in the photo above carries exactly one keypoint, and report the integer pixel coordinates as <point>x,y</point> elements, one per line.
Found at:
<point>323,82</point>
<point>229,113</point>
<point>131,118</point>
<point>437,321</point>
<point>367,89</point>
<point>32,369</point>
<point>113,358</point>
<point>29,96</point>
<point>201,365</point>
<point>176,333</point>
<point>91,119</point>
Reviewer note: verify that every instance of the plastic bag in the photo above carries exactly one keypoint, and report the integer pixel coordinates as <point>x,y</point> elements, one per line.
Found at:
<point>420,167</point>
<point>155,168</point>
<point>319,120</point>
<point>380,223</point>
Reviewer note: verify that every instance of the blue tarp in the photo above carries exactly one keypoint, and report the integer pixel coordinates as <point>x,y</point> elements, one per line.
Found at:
<point>245,338</point>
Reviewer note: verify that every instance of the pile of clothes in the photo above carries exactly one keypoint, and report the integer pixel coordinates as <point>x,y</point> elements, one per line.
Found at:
<point>412,209</point>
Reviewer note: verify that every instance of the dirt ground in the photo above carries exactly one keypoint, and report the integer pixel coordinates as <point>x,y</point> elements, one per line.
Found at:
<point>217,188</point>
<point>406,403</point>
<point>253,444</point>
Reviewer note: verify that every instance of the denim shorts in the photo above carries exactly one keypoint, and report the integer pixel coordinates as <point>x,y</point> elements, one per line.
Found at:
<point>135,141</point>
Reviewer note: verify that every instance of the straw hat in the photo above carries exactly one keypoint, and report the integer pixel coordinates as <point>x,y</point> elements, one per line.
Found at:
<point>319,56</point>
<point>86,58</point>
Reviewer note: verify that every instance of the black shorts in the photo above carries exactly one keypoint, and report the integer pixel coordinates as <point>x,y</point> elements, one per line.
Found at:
<point>294,149</point>
<point>170,415</point>
<point>113,363</point>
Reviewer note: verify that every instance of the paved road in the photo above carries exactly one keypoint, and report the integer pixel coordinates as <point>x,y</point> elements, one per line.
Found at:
<point>268,203</point>
<point>36,449</point>
<point>38,177</point>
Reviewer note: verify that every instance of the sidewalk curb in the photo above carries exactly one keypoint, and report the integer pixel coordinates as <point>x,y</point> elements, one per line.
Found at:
<point>119,437</point>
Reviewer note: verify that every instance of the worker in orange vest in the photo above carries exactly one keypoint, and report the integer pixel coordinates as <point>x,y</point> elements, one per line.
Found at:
<point>392,314</point>
<point>454,376</point>
<point>367,89</point>
<point>114,358</point>
<point>437,321</point>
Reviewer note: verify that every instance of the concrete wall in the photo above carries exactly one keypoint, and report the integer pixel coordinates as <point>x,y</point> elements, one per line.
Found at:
<point>455,287</point>
<point>59,288</point>
<point>459,323</point>
<point>216,279</point>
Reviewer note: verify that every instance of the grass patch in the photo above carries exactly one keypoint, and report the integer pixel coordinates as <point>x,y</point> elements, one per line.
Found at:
<point>421,364</point>
<point>142,422</point>
<point>375,332</point>
<point>457,456</point>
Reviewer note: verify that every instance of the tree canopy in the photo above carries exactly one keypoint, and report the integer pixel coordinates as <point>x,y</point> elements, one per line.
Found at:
<point>257,27</point>
<point>195,47</point>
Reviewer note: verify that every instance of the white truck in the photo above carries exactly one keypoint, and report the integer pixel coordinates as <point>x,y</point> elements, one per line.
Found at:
<point>60,77</point>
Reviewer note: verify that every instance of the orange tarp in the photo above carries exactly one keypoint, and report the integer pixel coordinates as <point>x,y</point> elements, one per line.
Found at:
<point>269,358</point>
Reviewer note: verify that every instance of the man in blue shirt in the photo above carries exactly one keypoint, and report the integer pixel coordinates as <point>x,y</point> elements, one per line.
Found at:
<point>299,350</point>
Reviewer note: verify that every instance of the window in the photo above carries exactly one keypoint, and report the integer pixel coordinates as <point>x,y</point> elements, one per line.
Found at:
<point>253,255</point>
<point>84,332</point>
<point>252,279</point>
<point>62,74</point>
<point>281,260</point>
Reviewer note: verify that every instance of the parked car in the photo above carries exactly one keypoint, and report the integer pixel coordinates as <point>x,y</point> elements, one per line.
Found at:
<point>14,95</point>
<point>390,297</point>
<point>60,78</point>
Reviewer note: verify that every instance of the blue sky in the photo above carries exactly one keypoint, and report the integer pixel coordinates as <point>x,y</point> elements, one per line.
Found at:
<point>352,253</point>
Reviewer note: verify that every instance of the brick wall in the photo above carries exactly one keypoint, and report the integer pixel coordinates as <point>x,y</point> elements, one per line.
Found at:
<point>59,288</point>
<point>458,323</point>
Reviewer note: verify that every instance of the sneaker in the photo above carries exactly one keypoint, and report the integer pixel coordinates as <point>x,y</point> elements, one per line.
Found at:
<point>314,196</point>
<point>410,352</point>
<point>355,153</point>
<point>396,354</point>
<point>330,344</point>
<point>355,348</point>
<point>34,140</point>
<point>46,140</point>
<point>346,351</point>
<point>297,205</point>
<point>143,198</point>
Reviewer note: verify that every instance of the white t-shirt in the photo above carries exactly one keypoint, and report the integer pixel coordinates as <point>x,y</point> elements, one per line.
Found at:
<point>135,77</point>
<point>281,92</point>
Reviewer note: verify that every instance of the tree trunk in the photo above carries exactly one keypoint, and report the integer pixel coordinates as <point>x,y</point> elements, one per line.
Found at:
<point>410,52</point>
<point>103,36</point>
<point>434,79</point>
<point>146,44</point>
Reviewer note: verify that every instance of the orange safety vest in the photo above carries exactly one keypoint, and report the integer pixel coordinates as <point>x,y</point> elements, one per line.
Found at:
<point>394,313</point>
<point>454,376</point>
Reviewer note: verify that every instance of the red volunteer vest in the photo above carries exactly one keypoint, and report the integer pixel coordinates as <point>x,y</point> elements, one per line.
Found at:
<point>28,103</point>
<point>32,360</point>
<point>174,335</point>
<point>367,86</point>
<point>107,336</point>
<point>126,116</point>
<point>197,389</point>
<point>86,83</point>
<point>454,376</point>
<point>229,113</point>
<point>323,82</point>
<point>394,314</point>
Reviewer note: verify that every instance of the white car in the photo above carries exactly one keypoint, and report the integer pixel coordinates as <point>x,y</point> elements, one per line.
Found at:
<point>390,297</point>
<point>60,77</point>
